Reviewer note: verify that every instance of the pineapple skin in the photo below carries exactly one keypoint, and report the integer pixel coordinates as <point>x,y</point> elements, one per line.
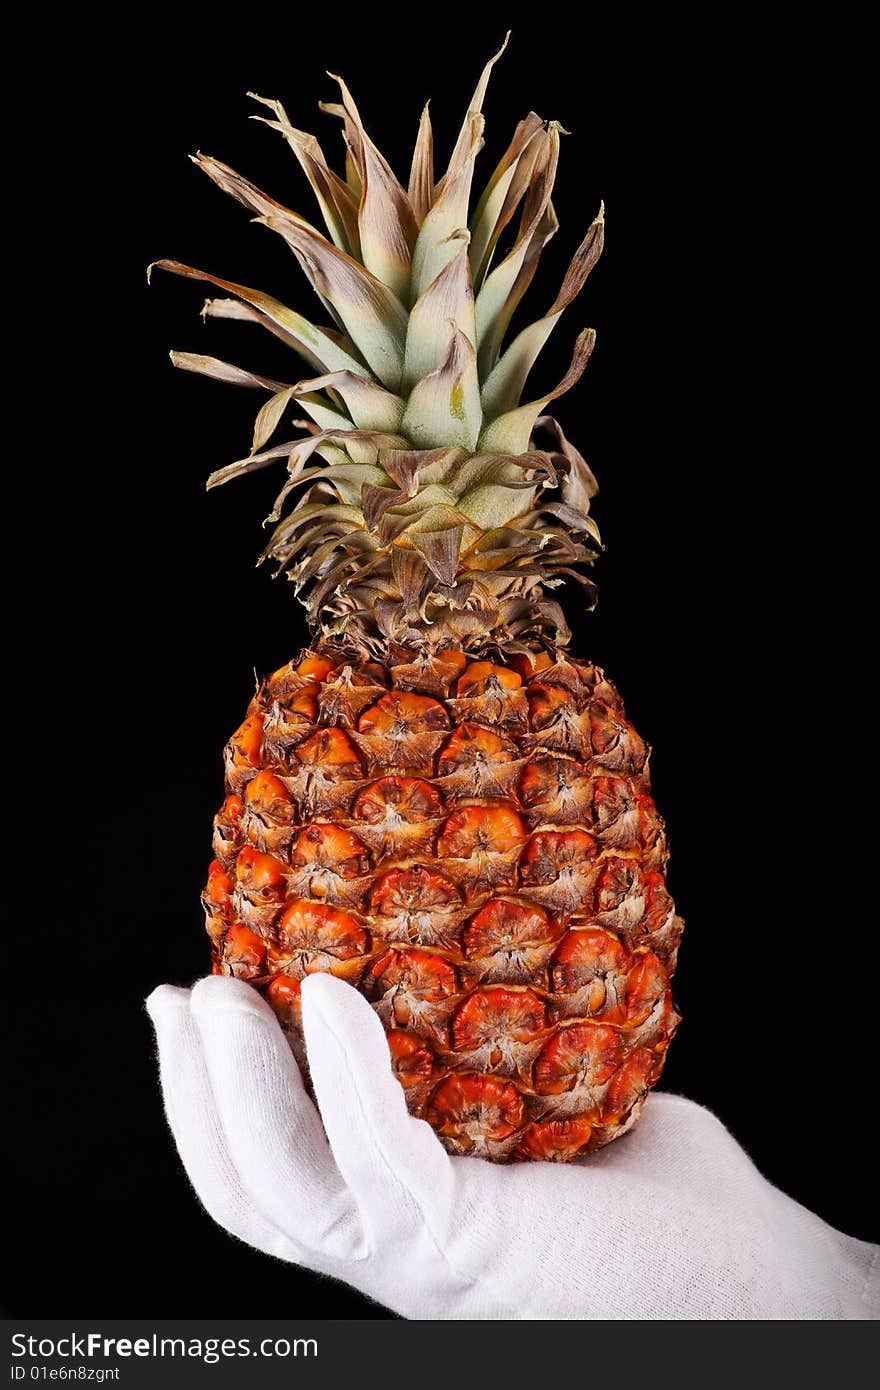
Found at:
<point>473,845</point>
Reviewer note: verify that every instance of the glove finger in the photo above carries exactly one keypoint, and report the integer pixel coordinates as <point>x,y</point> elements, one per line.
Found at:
<point>394,1165</point>
<point>272,1128</point>
<point>197,1130</point>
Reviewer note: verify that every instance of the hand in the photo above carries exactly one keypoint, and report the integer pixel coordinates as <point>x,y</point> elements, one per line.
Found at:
<point>671,1222</point>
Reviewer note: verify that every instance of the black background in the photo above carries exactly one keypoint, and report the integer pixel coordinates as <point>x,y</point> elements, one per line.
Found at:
<point>730,614</point>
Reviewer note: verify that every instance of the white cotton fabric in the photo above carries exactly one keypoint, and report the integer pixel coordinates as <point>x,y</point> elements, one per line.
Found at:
<point>672,1222</point>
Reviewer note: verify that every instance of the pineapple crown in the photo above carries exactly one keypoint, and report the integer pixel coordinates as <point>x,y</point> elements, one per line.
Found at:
<point>427,512</point>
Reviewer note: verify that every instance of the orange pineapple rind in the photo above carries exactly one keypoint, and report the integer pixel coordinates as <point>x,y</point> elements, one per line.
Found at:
<point>517,946</point>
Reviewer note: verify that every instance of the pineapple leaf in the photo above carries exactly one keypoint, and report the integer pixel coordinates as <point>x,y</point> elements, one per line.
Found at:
<point>461,155</point>
<point>325,416</point>
<point>334,514</point>
<point>444,407</point>
<point>578,486</point>
<point>316,345</point>
<point>347,479</point>
<point>447,304</point>
<point>421,179</point>
<point>502,290</point>
<point>375,501</point>
<point>490,505</point>
<point>252,464</point>
<point>222,371</point>
<point>370,406</point>
<point>416,507</point>
<point>504,385</point>
<point>502,470</point>
<point>410,572</point>
<point>437,243</point>
<point>510,433</point>
<point>499,201</point>
<point>440,551</point>
<point>372,315</point>
<point>386,221</point>
<point>573,519</point>
<point>269,417</point>
<point>338,208</point>
<point>408,467</point>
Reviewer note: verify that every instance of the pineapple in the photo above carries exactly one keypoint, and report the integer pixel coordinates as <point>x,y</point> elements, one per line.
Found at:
<point>435,802</point>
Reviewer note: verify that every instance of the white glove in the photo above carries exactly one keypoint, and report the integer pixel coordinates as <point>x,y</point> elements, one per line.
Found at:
<point>672,1222</point>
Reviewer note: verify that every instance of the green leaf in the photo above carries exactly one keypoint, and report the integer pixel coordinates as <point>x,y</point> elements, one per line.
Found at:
<point>491,505</point>
<point>498,203</point>
<point>372,315</point>
<point>510,433</point>
<point>504,385</point>
<point>326,416</point>
<point>447,304</point>
<point>386,221</point>
<point>444,407</point>
<point>501,291</point>
<point>437,242</point>
<point>371,407</point>
<point>427,498</point>
<point>346,479</point>
<point>373,318</point>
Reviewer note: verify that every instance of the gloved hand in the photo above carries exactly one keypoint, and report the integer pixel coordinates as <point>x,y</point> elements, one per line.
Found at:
<point>671,1222</point>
